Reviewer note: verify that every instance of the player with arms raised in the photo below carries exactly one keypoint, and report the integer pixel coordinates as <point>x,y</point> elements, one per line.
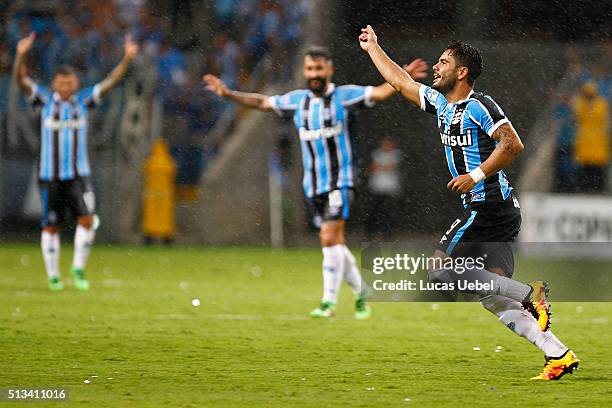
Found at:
<point>64,163</point>
<point>479,142</point>
<point>322,116</point>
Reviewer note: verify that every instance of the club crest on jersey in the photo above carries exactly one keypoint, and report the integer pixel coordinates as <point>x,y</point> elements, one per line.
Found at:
<point>464,139</point>
<point>323,133</point>
<point>456,119</point>
<point>458,115</point>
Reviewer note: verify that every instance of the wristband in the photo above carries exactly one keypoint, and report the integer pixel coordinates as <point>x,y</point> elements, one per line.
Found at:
<point>477,175</point>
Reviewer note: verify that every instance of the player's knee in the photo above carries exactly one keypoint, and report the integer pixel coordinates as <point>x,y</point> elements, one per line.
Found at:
<point>328,240</point>
<point>499,305</point>
<point>329,237</point>
<point>51,229</point>
<point>86,221</point>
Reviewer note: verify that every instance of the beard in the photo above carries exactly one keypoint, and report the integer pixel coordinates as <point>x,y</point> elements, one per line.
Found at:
<point>317,85</point>
<point>445,85</point>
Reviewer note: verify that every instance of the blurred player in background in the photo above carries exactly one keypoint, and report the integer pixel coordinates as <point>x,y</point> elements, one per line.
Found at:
<point>479,142</point>
<point>322,116</point>
<point>64,164</point>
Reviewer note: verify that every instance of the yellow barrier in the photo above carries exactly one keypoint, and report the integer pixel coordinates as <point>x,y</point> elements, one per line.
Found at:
<point>159,193</point>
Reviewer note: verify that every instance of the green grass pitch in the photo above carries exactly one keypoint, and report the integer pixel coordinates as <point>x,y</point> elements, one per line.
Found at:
<point>139,341</point>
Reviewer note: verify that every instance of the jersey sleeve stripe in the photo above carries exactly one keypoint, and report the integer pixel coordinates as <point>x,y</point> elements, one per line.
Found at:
<point>97,94</point>
<point>426,104</point>
<point>273,101</point>
<point>491,108</point>
<point>422,96</point>
<point>34,93</point>
<point>493,128</point>
<point>497,125</point>
<point>369,102</point>
<point>37,95</point>
<point>353,101</point>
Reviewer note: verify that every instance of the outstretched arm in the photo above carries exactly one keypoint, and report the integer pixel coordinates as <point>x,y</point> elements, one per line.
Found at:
<point>416,69</point>
<point>399,79</point>
<point>130,50</point>
<point>251,100</point>
<point>508,148</point>
<point>20,71</point>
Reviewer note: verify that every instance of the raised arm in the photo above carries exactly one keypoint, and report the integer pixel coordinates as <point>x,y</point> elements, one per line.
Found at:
<point>399,79</point>
<point>251,100</point>
<point>20,71</point>
<point>130,51</point>
<point>508,148</point>
<point>416,69</point>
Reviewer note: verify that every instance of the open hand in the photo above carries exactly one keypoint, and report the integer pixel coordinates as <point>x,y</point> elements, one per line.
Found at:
<point>215,85</point>
<point>417,69</point>
<point>25,44</point>
<point>367,38</point>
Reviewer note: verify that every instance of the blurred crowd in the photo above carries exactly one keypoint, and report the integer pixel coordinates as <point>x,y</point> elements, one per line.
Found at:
<point>182,39</point>
<point>582,112</point>
<point>242,32</point>
<point>85,34</point>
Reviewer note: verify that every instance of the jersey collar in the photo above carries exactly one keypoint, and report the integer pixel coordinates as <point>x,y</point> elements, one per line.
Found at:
<point>463,100</point>
<point>330,90</point>
<point>58,98</point>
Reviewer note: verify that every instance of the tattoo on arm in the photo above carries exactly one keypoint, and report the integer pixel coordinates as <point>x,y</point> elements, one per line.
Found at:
<point>508,148</point>
<point>509,141</point>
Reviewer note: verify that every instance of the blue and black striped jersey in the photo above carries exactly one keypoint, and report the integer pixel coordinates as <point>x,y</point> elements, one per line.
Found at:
<point>324,128</point>
<point>63,147</point>
<point>466,128</point>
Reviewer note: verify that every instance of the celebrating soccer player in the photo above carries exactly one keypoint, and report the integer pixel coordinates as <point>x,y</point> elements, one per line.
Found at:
<point>479,142</point>
<point>322,116</point>
<point>64,164</point>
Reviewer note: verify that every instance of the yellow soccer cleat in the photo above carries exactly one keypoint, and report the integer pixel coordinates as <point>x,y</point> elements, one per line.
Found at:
<point>538,305</point>
<point>555,368</point>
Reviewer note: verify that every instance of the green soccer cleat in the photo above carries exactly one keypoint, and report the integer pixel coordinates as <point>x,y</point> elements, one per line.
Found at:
<point>326,309</point>
<point>55,284</point>
<point>79,279</point>
<point>362,309</point>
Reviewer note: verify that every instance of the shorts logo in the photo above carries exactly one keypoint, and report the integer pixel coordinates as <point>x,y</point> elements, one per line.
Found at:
<point>90,201</point>
<point>477,196</point>
<point>452,227</point>
<point>335,202</point>
<point>52,217</point>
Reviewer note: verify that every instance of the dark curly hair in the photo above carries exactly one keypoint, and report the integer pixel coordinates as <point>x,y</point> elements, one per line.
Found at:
<point>318,52</point>
<point>467,56</point>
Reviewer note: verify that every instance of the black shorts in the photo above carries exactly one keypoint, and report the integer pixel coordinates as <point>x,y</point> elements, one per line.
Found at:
<point>76,195</point>
<point>332,206</point>
<point>487,230</point>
